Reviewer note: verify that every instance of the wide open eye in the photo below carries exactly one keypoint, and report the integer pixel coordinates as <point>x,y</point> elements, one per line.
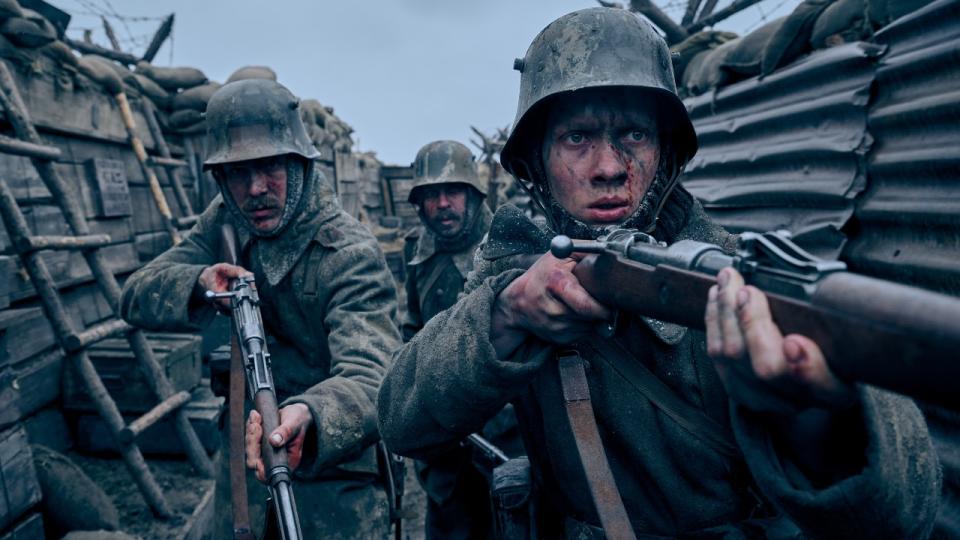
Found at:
<point>639,135</point>
<point>575,137</point>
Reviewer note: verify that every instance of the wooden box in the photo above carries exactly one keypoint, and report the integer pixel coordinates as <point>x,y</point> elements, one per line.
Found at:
<point>23,333</point>
<point>177,354</point>
<point>203,410</point>
<point>28,528</point>
<point>19,489</point>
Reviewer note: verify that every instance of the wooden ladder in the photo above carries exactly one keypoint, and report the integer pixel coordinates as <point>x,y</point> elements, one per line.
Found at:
<point>74,343</point>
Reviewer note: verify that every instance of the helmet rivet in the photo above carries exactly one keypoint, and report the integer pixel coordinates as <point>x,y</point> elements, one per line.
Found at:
<point>518,64</point>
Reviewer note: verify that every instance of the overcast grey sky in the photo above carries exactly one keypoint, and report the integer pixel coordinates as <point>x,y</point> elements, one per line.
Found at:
<point>401,72</point>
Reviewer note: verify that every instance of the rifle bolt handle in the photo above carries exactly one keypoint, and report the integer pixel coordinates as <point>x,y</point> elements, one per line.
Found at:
<point>561,246</point>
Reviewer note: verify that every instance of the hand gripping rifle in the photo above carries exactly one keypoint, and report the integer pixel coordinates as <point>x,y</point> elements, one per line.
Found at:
<point>901,338</point>
<point>251,341</point>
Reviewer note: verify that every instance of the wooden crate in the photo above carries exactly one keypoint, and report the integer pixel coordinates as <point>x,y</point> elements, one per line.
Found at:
<point>203,410</point>
<point>177,354</point>
<point>28,528</point>
<point>23,333</point>
<point>19,488</point>
<point>38,381</point>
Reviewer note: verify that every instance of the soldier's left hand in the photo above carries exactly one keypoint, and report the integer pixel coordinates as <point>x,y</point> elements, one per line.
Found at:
<point>760,368</point>
<point>295,420</point>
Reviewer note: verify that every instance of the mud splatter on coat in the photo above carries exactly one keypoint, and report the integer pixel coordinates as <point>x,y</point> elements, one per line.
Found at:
<point>447,381</point>
<point>327,303</point>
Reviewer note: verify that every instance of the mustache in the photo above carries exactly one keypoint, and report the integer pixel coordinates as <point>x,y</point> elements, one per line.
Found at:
<point>446,214</point>
<point>267,202</point>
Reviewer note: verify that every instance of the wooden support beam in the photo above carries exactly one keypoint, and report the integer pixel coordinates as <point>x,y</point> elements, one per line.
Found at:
<point>99,332</point>
<point>707,10</point>
<point>38,243</point>
<point>162,34</point>
<point>690,14</point>
<point>9,145</point>
<point>673,31</point>
<point>90,48</point>
<point>162,409</point>
<point>168,162</point>
<point>734,8</point>
<point>187,221</point>
<point>107,29</point>
<point>164,159</point>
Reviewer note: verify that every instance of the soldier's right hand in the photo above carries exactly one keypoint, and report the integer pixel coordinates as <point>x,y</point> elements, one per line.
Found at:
<point>546,301</point>
<point>217,278</point>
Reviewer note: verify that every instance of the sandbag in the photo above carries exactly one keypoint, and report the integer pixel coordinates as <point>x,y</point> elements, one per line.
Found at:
<point>684,51</point>
<point>30,31</point>
<point>195,98</point>
<point>71,500</point>
<point>692,70</point>
<point>252,72</point>
<point>710,75</point>
<point>159,96</point>
<point>61,53</point>
<point>793,37</point>
<point>744,59</point>
<point>172,78</point>
<point>184,118</point>
<point>312,112</point>
<point>101,72</point>
<point>10,8</point>
<point>844,21</point>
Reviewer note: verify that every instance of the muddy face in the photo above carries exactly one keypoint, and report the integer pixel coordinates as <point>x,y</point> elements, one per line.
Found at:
<point>600,154</point>
<point>445,208</point>
<point>259,187</point>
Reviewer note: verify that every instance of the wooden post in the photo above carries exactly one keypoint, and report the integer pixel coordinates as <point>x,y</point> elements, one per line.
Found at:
<point>107,29</point>
<point>734,8</point>
<point>162,33</point>
<point>148,172</point>
<point>150,112</point>
<point>90,48</point>
<point>673,31</point>
<point>690,13</point>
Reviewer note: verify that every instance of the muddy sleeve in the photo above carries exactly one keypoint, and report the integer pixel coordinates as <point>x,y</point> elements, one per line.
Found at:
<point>447,381</point>
<point>895,494</point>
<point>412,320</point>
<point>163,295</point>
<point>356,307</point>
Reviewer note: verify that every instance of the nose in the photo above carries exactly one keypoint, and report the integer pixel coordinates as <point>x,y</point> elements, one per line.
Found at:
<point>258,184</point>
<point>442,200</point>
<point>609,165</point>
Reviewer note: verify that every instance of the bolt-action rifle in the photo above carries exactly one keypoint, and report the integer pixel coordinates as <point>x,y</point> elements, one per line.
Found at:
<point>897,337</point>
<point>251,340</point>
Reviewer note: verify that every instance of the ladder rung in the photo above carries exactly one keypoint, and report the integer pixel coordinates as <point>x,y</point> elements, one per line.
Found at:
<point>37,243</point>
<point>168,162</point>
<point>185,222</point>
<point>96,333</point>
<point>165,407</point>
<point>9,145</point>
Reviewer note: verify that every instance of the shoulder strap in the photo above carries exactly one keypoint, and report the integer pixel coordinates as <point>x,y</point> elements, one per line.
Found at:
<point>593,458</point>
<point>438,268</point>
<point>693,420</point>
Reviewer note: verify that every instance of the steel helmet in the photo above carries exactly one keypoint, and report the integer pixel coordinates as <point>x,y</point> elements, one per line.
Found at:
<point>253,119</point>
<point>591,48</point>
<point>445,162</point>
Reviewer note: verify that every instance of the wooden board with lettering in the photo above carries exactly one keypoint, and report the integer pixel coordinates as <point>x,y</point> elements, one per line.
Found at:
<point>113,194</point>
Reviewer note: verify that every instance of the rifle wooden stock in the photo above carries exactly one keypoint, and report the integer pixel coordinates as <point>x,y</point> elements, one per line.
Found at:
<point>893,336</point>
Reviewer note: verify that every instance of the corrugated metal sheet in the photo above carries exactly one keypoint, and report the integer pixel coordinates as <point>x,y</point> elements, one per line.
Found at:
<point>855,146</point>
<point>787,151</point>
<point>909,217</point>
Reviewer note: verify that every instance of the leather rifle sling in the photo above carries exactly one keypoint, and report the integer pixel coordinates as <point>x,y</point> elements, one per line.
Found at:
<point>593,458</point>
<point>237,430</point>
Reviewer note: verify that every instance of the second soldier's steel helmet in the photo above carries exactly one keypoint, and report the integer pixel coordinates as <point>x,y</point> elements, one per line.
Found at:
<point>444,162</point>
<point>254,119</point>
<point>593,48</point>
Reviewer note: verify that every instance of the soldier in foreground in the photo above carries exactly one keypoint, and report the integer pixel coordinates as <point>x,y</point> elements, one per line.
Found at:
<point>449,197</point>
<point>738,432</point>
<point>327,301</point>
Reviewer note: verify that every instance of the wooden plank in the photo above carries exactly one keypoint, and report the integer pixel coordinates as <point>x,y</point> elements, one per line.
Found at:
<point>19,489</point>
<point>48,427</point>
<point>28,528</point>
<point>8,266</point>
<point>38,381</point>
<point>113,192</point>
<point>70,268</point>
<point>200,523</point>
<point>177,354</point>
<point>24,333</point>
<point>9,396</point>
<point>149,245</point>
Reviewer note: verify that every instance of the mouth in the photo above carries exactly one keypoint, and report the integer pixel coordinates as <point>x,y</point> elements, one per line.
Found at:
<point>261,213</point>
<point>608,209</point>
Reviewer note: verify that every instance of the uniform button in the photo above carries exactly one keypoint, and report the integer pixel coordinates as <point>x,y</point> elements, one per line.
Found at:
<point>439,292</point>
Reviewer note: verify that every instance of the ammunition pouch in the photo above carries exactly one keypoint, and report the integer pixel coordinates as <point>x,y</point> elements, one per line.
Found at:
<point>511,494</point>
